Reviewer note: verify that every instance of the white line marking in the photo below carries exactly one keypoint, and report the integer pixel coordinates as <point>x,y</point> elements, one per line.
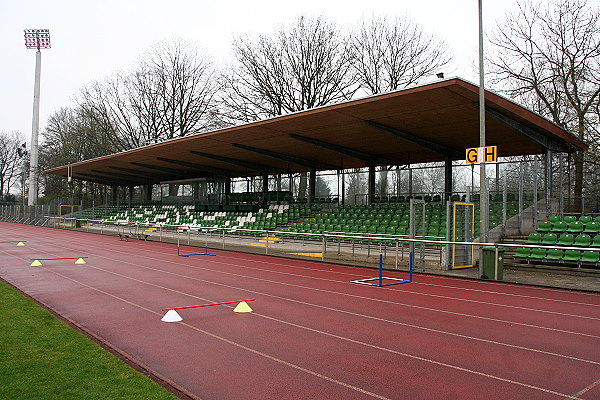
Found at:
<point>442,364</point>
<point>349,295</point>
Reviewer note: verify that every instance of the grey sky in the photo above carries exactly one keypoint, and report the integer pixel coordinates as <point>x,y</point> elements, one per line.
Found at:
<point>92,39</point>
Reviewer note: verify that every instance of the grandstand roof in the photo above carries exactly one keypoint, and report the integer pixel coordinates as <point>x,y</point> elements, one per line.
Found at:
<point>421,124</point>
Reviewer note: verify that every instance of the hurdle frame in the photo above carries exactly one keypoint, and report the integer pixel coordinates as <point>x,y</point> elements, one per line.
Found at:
<point>206,253</point>
<point>380,278</point>
<point>207,305</point>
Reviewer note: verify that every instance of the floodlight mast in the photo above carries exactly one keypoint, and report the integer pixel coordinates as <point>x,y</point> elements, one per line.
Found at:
<point>35,39</point>
<point>483,193</point>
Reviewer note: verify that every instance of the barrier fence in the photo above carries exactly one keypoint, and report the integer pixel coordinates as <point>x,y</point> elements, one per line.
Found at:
<point>430,253</point>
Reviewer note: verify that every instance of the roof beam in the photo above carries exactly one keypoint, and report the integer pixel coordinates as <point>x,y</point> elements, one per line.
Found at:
<point>171,171</point>
<point>118,175</point>
<point>542,140</point>
<point>141,173</point>
<point>438,148</point>
<point>240,163</point>
<point>347,151</point>
<point>287,158</point>
<point>205,168</point>
<point>103,179</point>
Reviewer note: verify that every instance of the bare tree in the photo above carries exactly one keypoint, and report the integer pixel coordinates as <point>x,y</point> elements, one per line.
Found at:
<point>169,95</point>
<point>71,136</point>
<point>301,66</point>
<point>10,161</point>
<point>394,55</point>
<point>107,104</point>
<point>548,57</point>
<point>183,83</point>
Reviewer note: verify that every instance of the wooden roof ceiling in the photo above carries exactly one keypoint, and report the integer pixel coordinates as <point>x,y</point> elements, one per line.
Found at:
<point>422,124</point>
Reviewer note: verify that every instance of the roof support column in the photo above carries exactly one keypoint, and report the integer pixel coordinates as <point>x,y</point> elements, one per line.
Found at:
<point>561,200</point>
<point>312,185</point>
<point>343,196</point>
<point>371,180</point>
<point>448,185</point>
<point>113,194</point>
<point>148,192</point>
<point>265,183</point>
<point>410,181</point>
<point>227,189</point>
<point>130,198</point>
<point>497,181</point>
<point>548,173</point>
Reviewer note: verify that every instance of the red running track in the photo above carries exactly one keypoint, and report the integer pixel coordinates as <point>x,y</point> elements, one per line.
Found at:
<point>313,334</point>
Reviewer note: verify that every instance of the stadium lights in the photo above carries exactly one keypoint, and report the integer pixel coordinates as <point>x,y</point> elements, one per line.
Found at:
<point>35,39</point>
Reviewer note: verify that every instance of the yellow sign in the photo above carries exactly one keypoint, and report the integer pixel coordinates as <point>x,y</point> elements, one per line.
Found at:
<point>486,154</point>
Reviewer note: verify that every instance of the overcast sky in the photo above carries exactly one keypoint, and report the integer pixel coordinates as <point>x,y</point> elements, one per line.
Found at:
<point>92,39</point>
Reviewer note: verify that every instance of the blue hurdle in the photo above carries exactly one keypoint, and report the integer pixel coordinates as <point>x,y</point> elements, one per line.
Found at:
<point>206,253</point>
<point>380,278</point>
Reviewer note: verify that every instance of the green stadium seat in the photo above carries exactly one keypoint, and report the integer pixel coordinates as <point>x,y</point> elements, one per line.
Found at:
<point>534,238</point>
<point>554,219</point>
<point>572,255</point>
<point>597,219</point>
<point>544,226</point>
<point>585,219</point>
<point>523,252</point>
<point>592,228</point>
<point>554,254</point>
<point>559,226</point>
<point>575,227</point>
<point>537,253</point>
<point>566,239</point>
<point>596,241</point>
<point>570,218</point>
<point>590,256</point>
<point>583,240</point>
<point>549,239</point>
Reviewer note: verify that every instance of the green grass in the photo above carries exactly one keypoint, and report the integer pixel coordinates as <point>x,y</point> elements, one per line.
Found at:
<point>41,357</point>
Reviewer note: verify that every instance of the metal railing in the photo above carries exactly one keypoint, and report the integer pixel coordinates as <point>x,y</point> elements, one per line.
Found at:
<point>328,246</point>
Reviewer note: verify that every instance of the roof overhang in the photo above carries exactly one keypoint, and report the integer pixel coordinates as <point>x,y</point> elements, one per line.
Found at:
<point>427,123</point>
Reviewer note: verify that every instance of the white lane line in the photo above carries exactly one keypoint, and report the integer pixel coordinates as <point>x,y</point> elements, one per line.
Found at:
<point>350,313</point>
<point>587,388</point>
<point>233,343</point>
<point>340,311</point>
<point>349,295</point>
<point>442,364</point>
<point>438,277</point>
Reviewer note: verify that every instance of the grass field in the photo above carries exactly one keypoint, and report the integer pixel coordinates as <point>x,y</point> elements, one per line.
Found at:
<point>41,357</point>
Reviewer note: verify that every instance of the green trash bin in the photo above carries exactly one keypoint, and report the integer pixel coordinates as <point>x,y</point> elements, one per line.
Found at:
<point>489,265</point>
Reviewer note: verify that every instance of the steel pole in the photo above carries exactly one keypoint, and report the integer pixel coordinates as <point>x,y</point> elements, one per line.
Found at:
<point>483,196</point>
<point>35,128</point>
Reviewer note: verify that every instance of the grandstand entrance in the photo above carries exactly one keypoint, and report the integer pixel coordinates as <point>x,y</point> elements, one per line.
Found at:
<point>417,230</point>
<point>463,230</point>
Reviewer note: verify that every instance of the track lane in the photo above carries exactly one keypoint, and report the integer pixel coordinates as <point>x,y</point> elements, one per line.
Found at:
<point>385,362</point>
<point>230,279</point>
<point>475,328</point>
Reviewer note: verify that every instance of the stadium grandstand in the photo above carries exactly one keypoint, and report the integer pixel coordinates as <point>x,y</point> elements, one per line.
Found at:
<point>244,184</point>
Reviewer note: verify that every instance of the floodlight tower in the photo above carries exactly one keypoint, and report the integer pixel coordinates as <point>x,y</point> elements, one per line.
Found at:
<point>483,193</point>
<point>35,39</point>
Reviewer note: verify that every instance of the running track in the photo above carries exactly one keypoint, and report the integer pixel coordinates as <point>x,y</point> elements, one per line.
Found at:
<point>312,335</point>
